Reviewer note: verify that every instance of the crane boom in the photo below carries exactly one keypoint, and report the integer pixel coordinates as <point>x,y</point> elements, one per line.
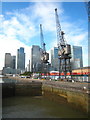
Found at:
<point>42,39</point>
<point>44,54</point>
<point>60,33</point>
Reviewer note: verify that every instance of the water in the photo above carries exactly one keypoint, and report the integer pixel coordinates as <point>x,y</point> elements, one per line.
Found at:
<point>37,107</point>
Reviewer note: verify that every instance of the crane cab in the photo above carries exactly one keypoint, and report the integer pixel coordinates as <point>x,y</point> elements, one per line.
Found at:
<point>45,57</point>
<point>67,49</point>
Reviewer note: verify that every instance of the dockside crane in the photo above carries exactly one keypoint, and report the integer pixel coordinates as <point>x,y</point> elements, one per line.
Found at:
<point>44,54</point>
<point>64,49</point>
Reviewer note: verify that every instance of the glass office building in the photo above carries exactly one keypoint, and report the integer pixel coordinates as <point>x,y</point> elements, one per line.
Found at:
<point>21,59</point>
<point>77,59</point>
<point>54,59</point>
<point>13,62</point>
<point>8,60</point>
<point>35,62</point>
<point>10,64</point>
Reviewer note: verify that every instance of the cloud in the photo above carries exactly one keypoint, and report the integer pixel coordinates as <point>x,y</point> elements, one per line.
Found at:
<point>46,13</point>
<point>10,45</point>
<point>74,35</point>
<point>19,28</point>
<point>22,27</point>
<point>23,24</point>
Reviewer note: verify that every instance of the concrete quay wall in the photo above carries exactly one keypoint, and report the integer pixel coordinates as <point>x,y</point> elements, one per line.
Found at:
<point>21,89</point>
<point>76,99</point>
<point>73,93</point>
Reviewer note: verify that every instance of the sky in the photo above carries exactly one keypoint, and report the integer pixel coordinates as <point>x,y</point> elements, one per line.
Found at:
<point>20,26</point>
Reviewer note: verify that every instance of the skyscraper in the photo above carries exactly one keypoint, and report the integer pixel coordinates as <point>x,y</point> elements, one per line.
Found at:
<point>13,62</point>
<point>10,64</point>
<point>77,60</point>
<point>54,59</point>
<point>8,60</point>
<point>35,64</point>
<point>21,59</point>
<point>28,67</point>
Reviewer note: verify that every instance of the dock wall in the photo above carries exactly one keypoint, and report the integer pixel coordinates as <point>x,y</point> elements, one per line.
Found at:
<point>73,95</point>
<point>21,89</point>
<point>76,99</point>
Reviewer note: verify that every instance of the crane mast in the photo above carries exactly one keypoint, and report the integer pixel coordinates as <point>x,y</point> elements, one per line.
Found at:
<point>64,50</point>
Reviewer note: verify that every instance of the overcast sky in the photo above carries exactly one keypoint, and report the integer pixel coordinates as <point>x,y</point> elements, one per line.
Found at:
<point>20,22</point>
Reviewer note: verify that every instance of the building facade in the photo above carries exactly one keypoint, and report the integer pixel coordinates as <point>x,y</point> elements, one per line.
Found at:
<point>77,59</point>
<point>13,62</point>
<point>82,71</point>
<point>35,62</point>
<point>10,64</point>
<point>54,59</point>
<point>8,60</point>
<point>21,59</point>
<point>28,67</point>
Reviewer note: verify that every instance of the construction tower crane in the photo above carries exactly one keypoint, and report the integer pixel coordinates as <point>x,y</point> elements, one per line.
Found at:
<point>64,49</point>
<point>44,54</point>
